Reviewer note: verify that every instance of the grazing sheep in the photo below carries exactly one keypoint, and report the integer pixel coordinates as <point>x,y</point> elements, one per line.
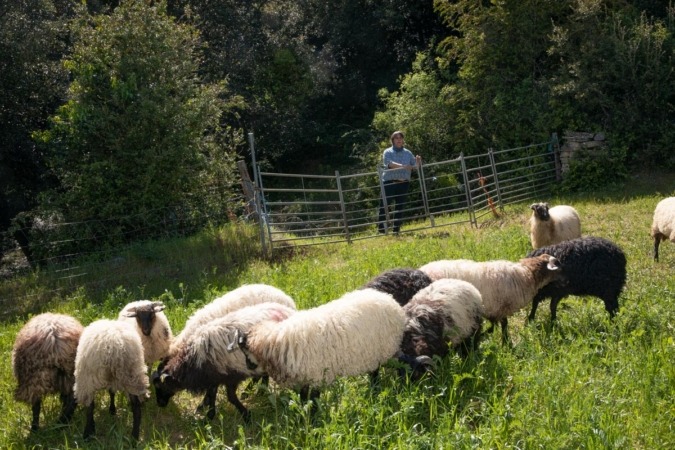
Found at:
<point>205,360</point>
<point>446,314</point>
<point>349,336</point>
<point>505,286</point>
<point>550,226</point>
<point>663,225</point>
<point>401,284</point>
<point>43,362</point>
<point>246,295</point>
<point>591,266</point>
<point>110,356</point>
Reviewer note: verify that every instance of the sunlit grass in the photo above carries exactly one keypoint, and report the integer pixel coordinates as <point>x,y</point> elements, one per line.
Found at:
<point>584,382</point>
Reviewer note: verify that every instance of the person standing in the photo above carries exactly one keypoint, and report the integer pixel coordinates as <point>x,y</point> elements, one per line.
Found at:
<point>397,181</point>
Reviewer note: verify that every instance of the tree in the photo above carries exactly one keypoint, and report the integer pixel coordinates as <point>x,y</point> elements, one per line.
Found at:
<point>134,148</point>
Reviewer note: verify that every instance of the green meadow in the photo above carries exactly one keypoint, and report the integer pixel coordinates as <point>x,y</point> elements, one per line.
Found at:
<point>582,382</point>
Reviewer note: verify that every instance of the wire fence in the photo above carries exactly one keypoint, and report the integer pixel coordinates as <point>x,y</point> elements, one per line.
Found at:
<point>301,210</point>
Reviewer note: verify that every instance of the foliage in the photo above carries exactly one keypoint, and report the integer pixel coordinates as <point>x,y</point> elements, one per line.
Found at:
<point>583,382</point>
<point>138,142</point>
<point>33,34</point>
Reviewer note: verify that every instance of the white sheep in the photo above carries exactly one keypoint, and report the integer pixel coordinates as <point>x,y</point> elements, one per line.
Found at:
<point>505,286</point>
<point>153,327</point>
<point>554,225</point>
<point>205,359</point>
<point>110,356</point>
<point>352,335</point>
<point>246,295</point>
<point>43,362</point>
<point>663,225</point>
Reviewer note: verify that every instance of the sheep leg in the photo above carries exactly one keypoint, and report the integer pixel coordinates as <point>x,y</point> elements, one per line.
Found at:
<point>612,306</point>
<point>554,307</point>
<point>374,377</point>
<point>231,389</point>
<point>136,413</point>
<point>657,241</point>
<point>68,405</point>
<point>209,401</point>
<point>533,311</point>
<point>307,394</point>
<point>90,427</point>
<point>505,331</point>
<point>112,409</point>
<point>35,424</point>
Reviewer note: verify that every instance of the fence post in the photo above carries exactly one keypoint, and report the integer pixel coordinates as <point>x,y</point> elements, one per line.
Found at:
<point>383,199</point>
<point>491,155</point>
<point>343,207</point>
<point>258,198</point>
<point>467,192</point>
<point>423,189</point>
<point>556,156</point>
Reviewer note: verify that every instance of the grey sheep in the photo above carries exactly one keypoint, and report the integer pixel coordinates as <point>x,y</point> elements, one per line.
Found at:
<point>43,362</point>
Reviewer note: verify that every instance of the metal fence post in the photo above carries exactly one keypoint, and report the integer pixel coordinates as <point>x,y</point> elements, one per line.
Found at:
<point>467,192</point>
<point>555,144</point>
<point>423,189</point>
<point>258,196</point>
<point>383,199</point>
<point>491,155</point>
<point>343,207</point>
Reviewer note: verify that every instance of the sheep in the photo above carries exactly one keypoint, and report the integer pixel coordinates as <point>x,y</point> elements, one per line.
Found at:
<point>591,266</point>
<point>204,360</point>
<point>663,225</point>
<point>446,314</point>
<point>152,325</point>
<point>505,286</point>
<point>43,362</point>
<point>110,356</point>
<point>349,336</point>
<point>246,295</point>
<point>401,284</point>
<point>550,226</point>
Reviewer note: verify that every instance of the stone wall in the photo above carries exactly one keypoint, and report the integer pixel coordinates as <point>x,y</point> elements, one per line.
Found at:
<point>575,142</point>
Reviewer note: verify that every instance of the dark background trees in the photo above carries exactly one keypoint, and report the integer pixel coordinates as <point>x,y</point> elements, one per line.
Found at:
<point>321,84</point>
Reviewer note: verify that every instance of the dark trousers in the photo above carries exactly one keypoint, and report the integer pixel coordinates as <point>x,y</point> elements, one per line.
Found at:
<point>395,192</point>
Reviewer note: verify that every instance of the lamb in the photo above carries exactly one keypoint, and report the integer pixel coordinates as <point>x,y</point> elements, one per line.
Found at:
<point>110,356</point>
<point>550,226</point>
<point>401,284</point>
<point>352,335</point>
<point>446,314</point>
<point>591,265</point>
<point>505,286</point>
<point>246,295</point>
<point>43,362</point>
<point>663,225</point>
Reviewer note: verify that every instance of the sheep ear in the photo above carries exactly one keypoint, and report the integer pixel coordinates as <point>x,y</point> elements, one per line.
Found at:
<point>232,339</point>
<point>163,377</point>
<point>130,313</point>
<point>553,263</point>
<point>158,306</point>
<point>533,206</point>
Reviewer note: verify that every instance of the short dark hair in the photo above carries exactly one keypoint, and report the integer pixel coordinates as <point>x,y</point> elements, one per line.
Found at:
<point>396,133</point>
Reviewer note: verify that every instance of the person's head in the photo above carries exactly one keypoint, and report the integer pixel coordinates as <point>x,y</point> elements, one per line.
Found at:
<point>397,138</point>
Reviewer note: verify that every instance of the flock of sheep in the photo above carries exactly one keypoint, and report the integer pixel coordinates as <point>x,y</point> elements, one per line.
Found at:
<point>255,331</point>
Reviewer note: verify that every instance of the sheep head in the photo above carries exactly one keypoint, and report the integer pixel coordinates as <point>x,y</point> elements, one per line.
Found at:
<point>145,315</point>
<point>540,210</point>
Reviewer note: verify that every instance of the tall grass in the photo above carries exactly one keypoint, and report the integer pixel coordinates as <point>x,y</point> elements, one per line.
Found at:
<point>584,382</point>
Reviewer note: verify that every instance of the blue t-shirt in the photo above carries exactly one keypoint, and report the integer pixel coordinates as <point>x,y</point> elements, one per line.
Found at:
<point>400,156</point>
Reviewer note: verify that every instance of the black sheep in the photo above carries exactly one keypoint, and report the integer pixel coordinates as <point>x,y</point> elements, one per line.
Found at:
<point>402,284</point>
<point>591,266</point>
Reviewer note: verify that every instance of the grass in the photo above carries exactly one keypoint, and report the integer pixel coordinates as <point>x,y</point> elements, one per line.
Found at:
<point>584,382</point>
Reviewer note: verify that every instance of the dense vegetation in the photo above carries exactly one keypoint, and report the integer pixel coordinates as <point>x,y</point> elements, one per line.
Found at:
<point>585,382</point>
<point>120,114</point>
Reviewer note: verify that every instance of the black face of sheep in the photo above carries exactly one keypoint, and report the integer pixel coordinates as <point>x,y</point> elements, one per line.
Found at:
<point>145,316</point>
<point>414,366</point>
<point>165,387</point>
<point>540,210</point>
